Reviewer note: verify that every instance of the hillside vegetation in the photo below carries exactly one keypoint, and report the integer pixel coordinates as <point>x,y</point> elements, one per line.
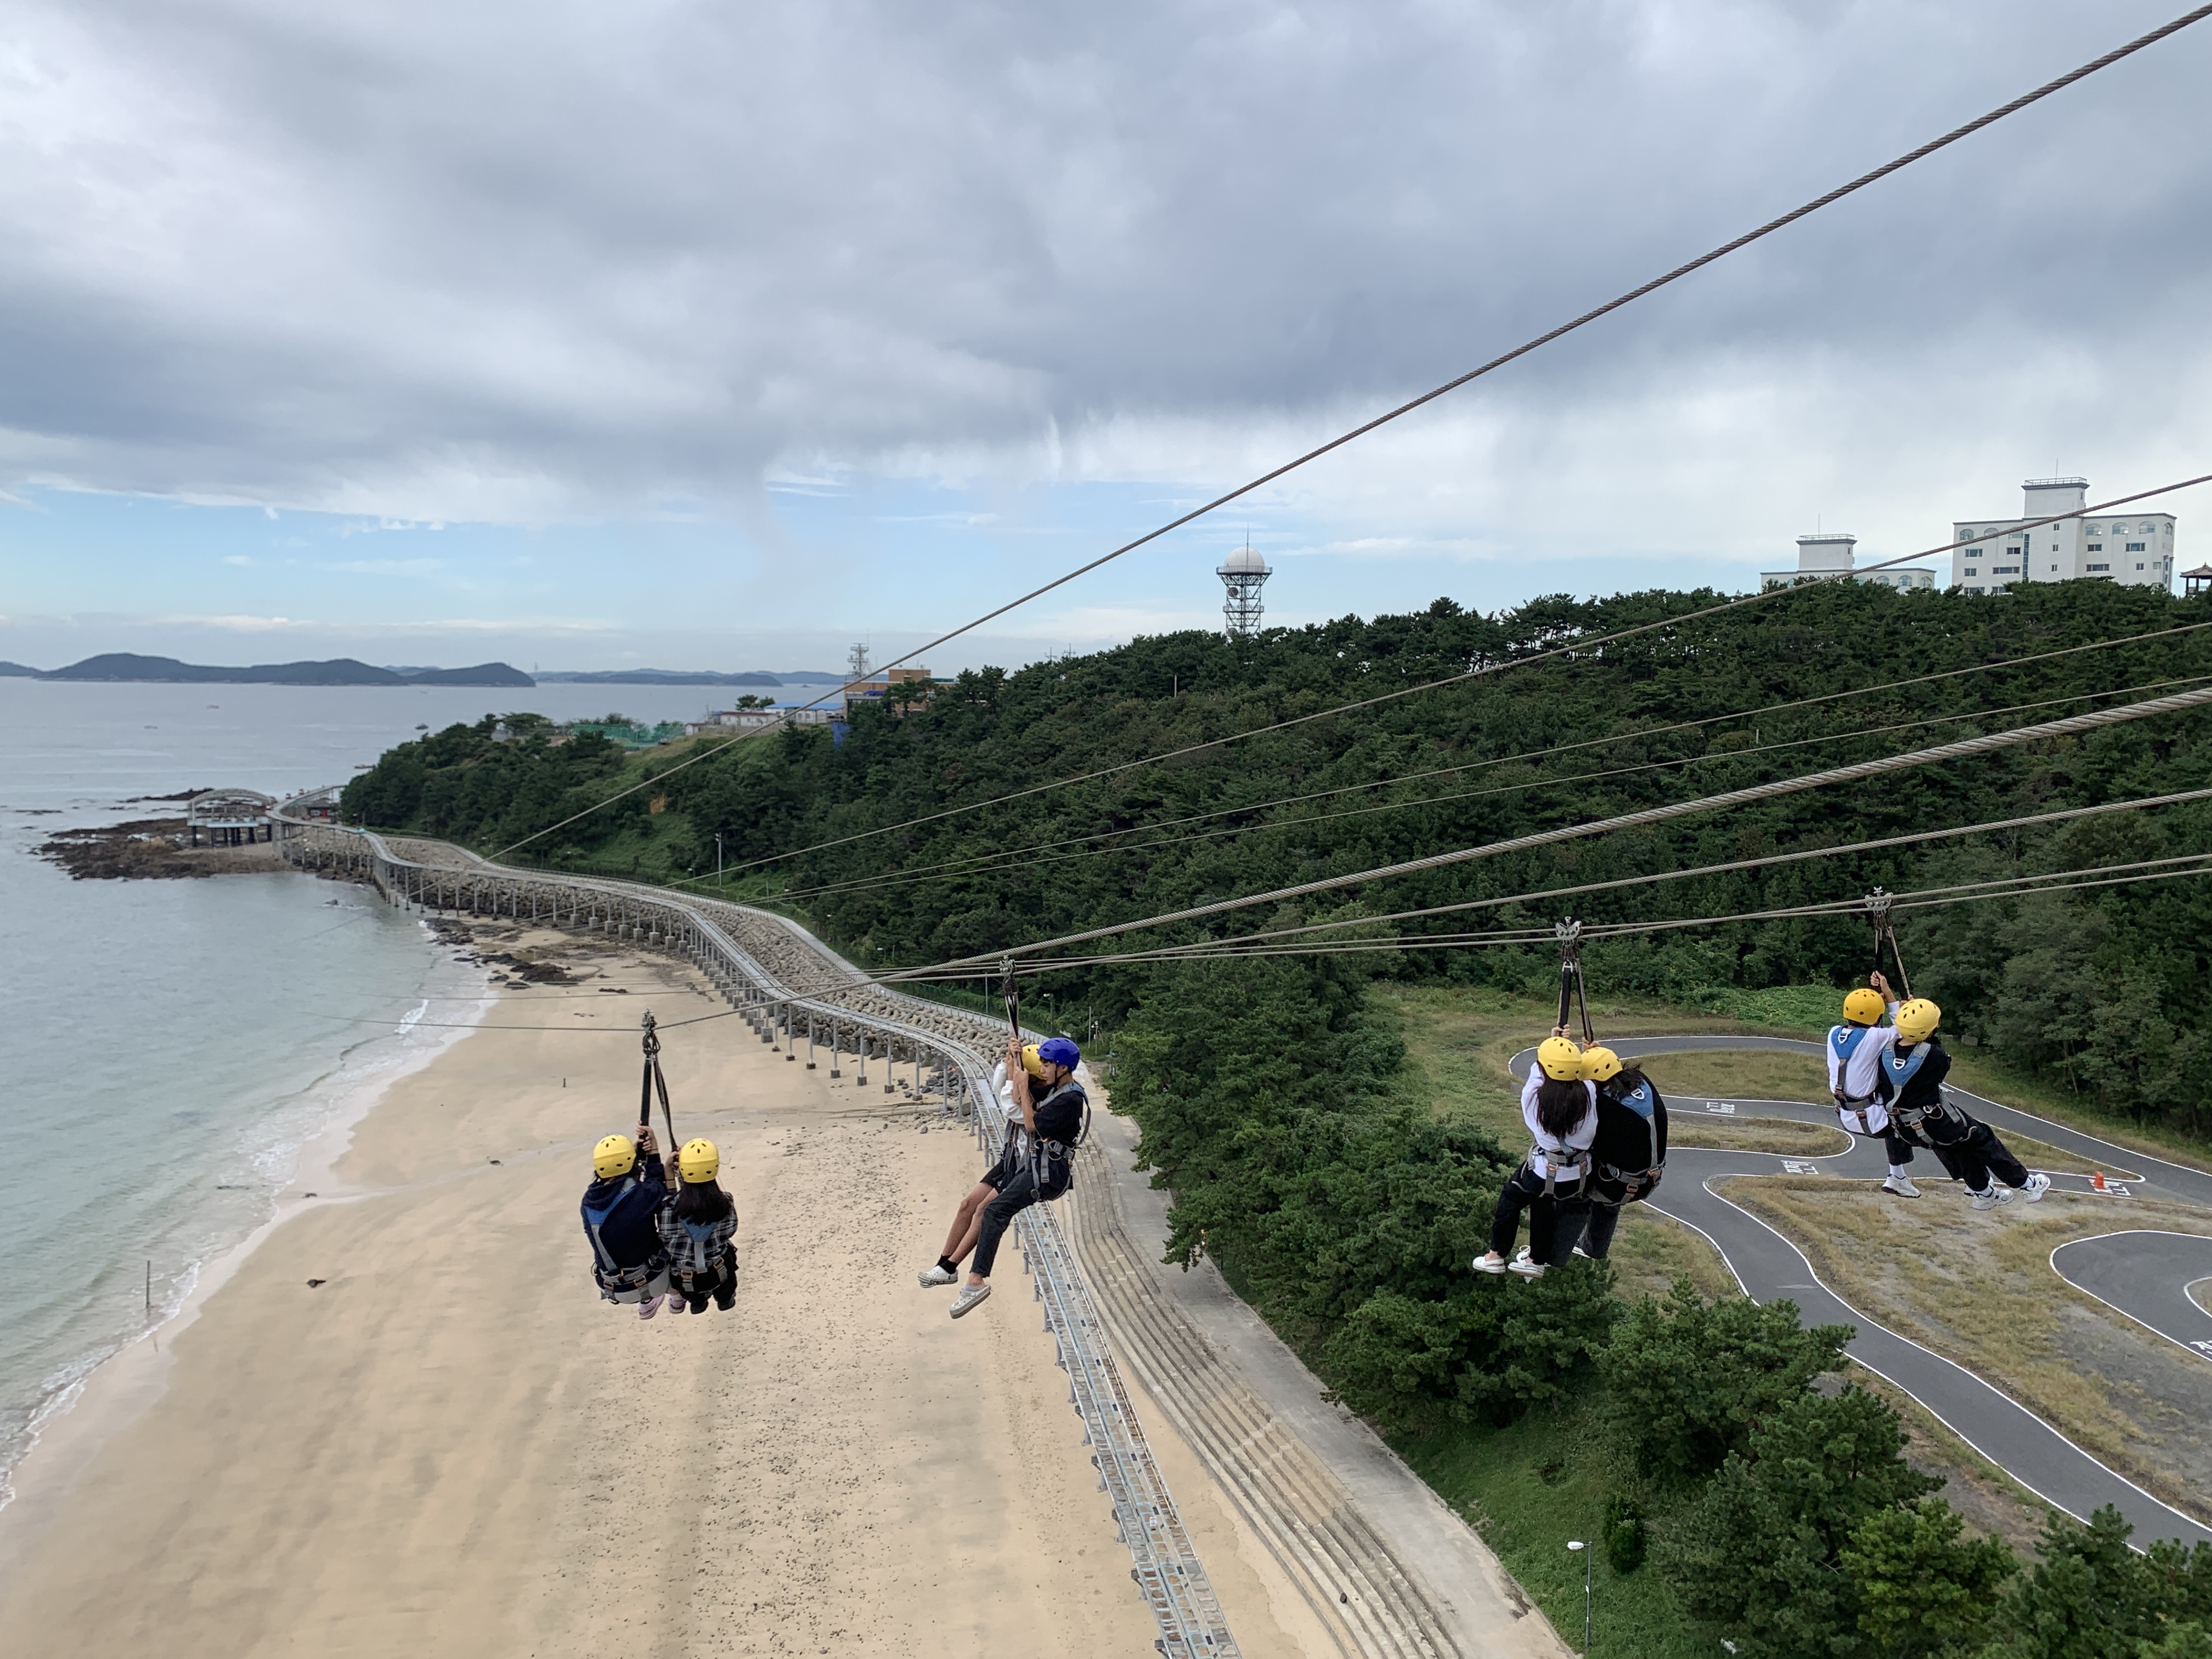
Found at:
<point>1339,1187</point>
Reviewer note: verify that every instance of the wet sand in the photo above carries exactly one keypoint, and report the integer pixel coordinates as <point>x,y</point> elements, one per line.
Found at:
<point>452,1446</point>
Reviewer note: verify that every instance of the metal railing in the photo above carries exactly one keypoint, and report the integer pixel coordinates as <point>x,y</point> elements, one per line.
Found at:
<point>1165,1565</point>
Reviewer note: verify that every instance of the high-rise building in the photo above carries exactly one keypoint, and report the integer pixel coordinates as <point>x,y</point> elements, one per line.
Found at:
<point>1243,573</point>
<point>2135,549</point>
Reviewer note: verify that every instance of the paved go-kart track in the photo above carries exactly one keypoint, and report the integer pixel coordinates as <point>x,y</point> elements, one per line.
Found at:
<point>2145,1275</point>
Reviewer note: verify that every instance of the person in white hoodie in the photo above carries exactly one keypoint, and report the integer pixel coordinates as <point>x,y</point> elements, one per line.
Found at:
<point>967,1219</point>
<point>1855,1050</point>
<point>1560,1106</point>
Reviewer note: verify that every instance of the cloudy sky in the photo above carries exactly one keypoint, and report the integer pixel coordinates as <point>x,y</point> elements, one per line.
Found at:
<point>594,332</point>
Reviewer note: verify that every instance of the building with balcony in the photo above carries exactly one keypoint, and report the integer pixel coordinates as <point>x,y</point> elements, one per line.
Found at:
<point>2133,548</point>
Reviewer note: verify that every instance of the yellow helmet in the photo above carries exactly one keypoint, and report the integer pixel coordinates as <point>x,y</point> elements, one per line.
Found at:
<point>1561,1061</point>
<point>699,1161</point>
<point>1916,1020</point>
<point>615,1156</point>
<point>1032,1062</point>
<point>1863,1007</point>
<point>1600,1062</point>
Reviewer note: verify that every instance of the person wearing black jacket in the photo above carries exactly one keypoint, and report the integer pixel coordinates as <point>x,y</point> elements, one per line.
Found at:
<point>621,1220</point>
<point>1913,1070</point>
<point>1628,1155</point>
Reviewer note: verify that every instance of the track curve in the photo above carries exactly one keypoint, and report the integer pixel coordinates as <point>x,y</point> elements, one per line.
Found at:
<point>2146,1273</point>
<point>1771,1268</point>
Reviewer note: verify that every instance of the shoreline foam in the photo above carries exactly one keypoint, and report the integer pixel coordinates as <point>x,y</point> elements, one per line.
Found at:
<point>78,1418</point>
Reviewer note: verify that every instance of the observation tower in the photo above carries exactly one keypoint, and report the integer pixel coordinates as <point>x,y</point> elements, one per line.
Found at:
<point>1242,573</point>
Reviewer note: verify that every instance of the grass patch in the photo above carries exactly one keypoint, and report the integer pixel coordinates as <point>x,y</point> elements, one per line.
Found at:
<point>1977,1287</point>
<point>1750,1074</point>
<point>1784,1135</point>
<point>1529,1488</point>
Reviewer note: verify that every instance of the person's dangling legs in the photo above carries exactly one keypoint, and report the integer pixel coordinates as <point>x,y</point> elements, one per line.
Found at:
<point>1523,1188</point>
<point>1598,1232</point>
<point>998,1215</point>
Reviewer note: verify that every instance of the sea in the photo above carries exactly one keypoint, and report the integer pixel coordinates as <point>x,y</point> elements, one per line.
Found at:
<point>168,1046</point>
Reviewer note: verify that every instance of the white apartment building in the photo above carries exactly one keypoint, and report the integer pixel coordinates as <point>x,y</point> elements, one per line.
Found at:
<point>2132,548</point>
<point>1833,555</point>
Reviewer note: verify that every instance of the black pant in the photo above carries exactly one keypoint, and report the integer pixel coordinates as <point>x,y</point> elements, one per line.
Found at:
<point>720,1281</point>
<point>1591,1226</point>
<point>1526,1191</point>
<point>1017,1195</point>
<point>1970,1149</point>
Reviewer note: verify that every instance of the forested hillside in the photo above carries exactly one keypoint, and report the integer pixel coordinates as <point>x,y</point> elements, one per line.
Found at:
<point>1272,1094</point>
<point>2103,990</point>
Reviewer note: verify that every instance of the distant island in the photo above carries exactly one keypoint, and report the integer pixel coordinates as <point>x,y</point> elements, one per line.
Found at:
<point>17,670</point>
<point>341,670</point>
<point>683,676</point>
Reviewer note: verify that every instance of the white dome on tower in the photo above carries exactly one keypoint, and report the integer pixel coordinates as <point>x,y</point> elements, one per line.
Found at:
<point>1243,561</point>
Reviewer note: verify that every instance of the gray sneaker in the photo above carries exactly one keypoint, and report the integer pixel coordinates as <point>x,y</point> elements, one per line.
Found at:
<point>933,1276</point>
<point>1902,1186</point>
<point>1523,1266</point>
<point>2038,1184</point>
<point>1990,1196</point>
<point>969,1296</point>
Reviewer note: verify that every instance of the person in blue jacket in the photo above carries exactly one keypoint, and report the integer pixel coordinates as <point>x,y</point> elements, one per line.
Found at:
<point>621,1220</point>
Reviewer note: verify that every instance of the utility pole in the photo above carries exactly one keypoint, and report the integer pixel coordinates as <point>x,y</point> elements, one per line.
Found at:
<point>718,858</point>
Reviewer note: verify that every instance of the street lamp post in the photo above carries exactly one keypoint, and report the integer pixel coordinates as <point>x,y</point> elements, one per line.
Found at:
<point>1583,1549</point>
<point>718,858</point>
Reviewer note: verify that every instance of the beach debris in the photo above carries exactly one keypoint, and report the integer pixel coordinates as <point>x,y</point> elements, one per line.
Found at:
<point>314,1282</point>
<point>491,1160</point>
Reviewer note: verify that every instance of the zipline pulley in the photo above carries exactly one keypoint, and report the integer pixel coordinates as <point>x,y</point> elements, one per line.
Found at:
<point>652,1084</point>
<point>1878,906</point>
<point>1572,997</point>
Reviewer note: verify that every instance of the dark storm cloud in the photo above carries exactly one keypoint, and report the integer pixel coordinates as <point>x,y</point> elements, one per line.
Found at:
<point>523,261</point>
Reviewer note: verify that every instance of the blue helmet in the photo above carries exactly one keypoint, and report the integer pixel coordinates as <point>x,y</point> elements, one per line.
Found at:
<point>1058,1051</point>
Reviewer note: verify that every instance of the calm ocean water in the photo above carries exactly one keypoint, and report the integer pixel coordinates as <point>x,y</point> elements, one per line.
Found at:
<point>169,1045</point>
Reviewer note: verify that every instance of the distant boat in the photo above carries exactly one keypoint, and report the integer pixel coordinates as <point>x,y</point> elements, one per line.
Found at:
<point>362,766</point>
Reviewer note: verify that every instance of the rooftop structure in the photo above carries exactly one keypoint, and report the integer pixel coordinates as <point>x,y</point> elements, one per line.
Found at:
<point>1831,555</point>
<point>2133,548</point>
<point>228,817</point>
<point>1243,573</point>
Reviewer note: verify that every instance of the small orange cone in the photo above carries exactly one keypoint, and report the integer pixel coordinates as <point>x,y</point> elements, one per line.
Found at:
<point>2097,1182</point>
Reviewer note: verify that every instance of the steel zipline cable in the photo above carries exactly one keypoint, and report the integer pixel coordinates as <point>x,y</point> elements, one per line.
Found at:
<point>1583,645</point>
<point>2059,881</point>
<point>1028,857</point>
<point>1963,748</point>
<point>1932,147</point>
<point>1760,713</point>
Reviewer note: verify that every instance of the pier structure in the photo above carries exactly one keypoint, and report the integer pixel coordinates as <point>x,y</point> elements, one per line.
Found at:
<point>794,993</point>
<point>229,818</point>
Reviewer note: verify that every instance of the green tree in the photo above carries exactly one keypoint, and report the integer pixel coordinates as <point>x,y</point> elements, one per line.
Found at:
<point>1759,1558</point>
<point>1923,1591</point>
<point>1689,1380</point>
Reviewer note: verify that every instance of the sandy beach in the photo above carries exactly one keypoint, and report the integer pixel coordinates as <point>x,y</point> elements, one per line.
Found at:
<point>451,1446</point>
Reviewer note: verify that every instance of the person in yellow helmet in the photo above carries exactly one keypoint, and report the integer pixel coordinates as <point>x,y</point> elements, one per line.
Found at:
<point>967,1219</point>
<point>1560,1106</point>
<point>1914,1067</point>
<point>696,1225</point>
<point>1855,1050</point>
<point>1628,1155</point>
<point>621,1210</point>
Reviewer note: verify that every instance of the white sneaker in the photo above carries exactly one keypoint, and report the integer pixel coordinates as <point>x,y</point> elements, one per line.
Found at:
<point>650,1306</point>
<point>1584,1254</point>
<point>1489,1263</point>
<point>1902,1186</point>
<point>1526,1269</point>
<point>2038,1184</point>
<point>676,1305</point>
<point>969,1296</point>
<point>933,1276</point>
<point>1990,1196</point>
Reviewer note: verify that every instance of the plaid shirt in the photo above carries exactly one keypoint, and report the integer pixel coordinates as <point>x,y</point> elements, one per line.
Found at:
<point>691,1255</point>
